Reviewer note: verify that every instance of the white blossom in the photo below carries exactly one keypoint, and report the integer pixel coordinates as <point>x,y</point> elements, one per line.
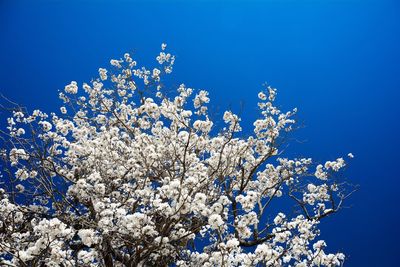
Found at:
<point>72,88</point>
<point>87,236</point>
<point>215,221</point>
<point>103,74</point>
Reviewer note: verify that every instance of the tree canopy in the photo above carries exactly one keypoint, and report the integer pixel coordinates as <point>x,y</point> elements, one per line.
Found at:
<point>130,173</point>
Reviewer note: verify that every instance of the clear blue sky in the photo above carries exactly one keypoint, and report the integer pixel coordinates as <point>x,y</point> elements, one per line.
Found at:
<point>337,61</point>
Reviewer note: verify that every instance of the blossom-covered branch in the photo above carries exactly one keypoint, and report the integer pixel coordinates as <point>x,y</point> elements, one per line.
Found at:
<point>129,174</point>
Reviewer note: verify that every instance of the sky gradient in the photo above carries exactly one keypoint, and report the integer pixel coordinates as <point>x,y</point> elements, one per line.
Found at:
<point>337,61</point>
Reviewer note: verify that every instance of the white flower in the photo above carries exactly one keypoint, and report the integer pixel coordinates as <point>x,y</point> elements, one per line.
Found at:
<point>215,221</point>
<point>25,256</point>
<point>319,245</point>
<point>115,63</point>
<point>20,132</point>
<point>311,187</point>
<point>279,218</point>
<point>232,243</point>
<point>87,236</point>
<point>320,173</point>
<point>103,74</point>
<point>46,125</point>
<point>262,96</point>
<point>71,88</point>
<point>20,187</point>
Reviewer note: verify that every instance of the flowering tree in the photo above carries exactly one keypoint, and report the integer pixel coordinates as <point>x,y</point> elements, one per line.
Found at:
<point>127,175</point>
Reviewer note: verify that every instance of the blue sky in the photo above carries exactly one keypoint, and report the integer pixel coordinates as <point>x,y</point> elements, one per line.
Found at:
<point>337,61</point>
